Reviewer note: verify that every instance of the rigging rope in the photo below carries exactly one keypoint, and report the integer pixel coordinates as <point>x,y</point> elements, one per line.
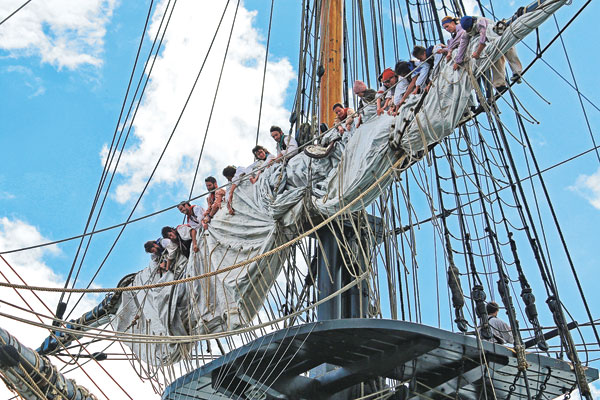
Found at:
<point>262,90</point>
<point>226,269</point>
<point>146,185</point>
<point>14,12</point>
<point>212,107</point>
<point>61,307</point>
<point>147,78</point>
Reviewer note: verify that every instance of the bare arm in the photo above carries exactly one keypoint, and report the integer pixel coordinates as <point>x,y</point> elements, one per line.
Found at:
<point>230,199</point>
<point>477,52</point>
<point>216,205</point>
<point>194,242</point>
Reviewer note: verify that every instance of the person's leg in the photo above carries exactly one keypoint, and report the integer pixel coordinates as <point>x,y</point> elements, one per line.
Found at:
<point>498,78</point>
<point>513,61</point>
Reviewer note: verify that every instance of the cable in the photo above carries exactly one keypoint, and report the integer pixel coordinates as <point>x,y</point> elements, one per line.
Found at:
<point>161,155</point>
<point>14,12</point>
<point>262,90</point>
<point>106,169</point>
<point>587,121</point>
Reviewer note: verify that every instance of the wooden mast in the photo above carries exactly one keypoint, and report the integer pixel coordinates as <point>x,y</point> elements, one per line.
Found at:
<point>332,13</point>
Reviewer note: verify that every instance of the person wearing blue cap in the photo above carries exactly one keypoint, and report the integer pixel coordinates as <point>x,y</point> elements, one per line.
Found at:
<point>483,27</point>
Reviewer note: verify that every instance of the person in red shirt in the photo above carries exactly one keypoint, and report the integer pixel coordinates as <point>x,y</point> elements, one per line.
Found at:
<point>344,118</point>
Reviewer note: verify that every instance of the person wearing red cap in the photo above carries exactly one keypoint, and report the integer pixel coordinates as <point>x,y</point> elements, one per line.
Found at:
<point>366,95</point>
<point>388,79</point>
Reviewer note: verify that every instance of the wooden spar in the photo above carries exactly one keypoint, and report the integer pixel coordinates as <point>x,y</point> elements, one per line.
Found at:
<point>332,12</point>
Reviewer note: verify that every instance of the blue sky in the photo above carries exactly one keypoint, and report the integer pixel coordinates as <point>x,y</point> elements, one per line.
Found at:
<point>63,84</point>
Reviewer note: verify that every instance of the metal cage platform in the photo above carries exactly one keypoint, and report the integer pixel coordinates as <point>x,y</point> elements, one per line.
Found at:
<point>331,359</point>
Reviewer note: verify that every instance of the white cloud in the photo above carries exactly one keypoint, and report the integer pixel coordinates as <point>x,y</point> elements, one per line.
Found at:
<point>471,7</point>
<point>6,196</point>
<point>62,33</point>
<point>32,267</point>
<point>232,130</point>
<point>588,186</point>
<point>30,80</point>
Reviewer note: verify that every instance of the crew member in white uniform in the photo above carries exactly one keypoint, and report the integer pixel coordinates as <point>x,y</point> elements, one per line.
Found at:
<point>180,239</point>
<point>193,214</point>
<point>156,249</point>
<point>286,144</point>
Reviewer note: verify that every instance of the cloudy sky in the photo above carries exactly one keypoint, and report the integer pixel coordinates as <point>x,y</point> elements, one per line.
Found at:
<point>64,70</point>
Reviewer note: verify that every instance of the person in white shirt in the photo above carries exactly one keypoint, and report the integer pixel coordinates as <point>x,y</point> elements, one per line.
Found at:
<point>180,239</point>
<point>156,249</point>
<point>262,158</point>
<point>421,73</point>
<point>193,214</point>
<point>501,331</point>
<point>404,86</point>
<point>233,175</point>
<point>386,91</point>
<point>286,144</point>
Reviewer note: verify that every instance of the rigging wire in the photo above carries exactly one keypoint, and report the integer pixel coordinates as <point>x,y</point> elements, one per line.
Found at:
<point>164,150</point>
<point>50,327</point>
<point>262,89</point>
<point>557,225</point>
<point>145,78</point>
<point>61,307</point>
<point>212,108</point>
<point>417,295</point>
<point>138,103</point>
<point>587,121</point>
<point>14,12</point>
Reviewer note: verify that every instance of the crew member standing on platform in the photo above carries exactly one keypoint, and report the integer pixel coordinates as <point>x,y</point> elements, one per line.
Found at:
<point>501,332</point>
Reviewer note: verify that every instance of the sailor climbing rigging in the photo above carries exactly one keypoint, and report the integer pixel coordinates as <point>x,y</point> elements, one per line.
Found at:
<point>344,118</point>
<point>262,159</point>
<point>214,200</point>
<point>286,144</point>
<point>193,214</point>
<point>156,249</point>
<point>484,27</point>
<point>181,238</point>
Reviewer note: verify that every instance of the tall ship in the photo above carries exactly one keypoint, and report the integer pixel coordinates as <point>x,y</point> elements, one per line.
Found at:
<point>394,246</point>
